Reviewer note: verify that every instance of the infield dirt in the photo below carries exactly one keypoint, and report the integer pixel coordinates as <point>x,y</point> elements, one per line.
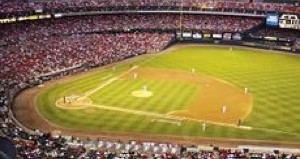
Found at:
<point>213,95</point>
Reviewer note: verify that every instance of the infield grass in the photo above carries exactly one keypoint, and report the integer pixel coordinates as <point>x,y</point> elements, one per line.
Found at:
<point>272,78</point>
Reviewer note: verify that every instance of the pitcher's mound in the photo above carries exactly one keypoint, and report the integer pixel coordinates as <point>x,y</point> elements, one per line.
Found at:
<point>142,94</point>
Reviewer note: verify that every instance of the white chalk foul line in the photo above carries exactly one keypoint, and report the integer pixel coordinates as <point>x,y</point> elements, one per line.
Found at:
<point>159,116</point>
<point>90,92</point>
<point>136,112</point>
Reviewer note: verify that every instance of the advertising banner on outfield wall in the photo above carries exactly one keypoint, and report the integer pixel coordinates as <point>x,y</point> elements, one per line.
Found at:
<point>206,35</point>
<point>178,35</point>
<point>197,36</point>
<point>8,20</point>
<point>237,36</point>
<point>217,36</point>
<point>187,35</point>
<point>270,38</point>
<point>227,36</point>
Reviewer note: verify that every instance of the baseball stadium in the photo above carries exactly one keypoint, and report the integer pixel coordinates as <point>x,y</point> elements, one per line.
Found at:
<point>157,79</point>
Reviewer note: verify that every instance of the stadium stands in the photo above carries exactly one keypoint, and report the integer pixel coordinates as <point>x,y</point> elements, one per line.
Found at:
<point>44,55</point>
<point>219,24</point>
<point>47,55</point>
<point>32,49</point>
<point>16,7</point>
<point>11,33</point>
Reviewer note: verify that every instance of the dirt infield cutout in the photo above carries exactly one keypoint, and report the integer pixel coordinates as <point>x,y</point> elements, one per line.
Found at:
<point>73,102</point>
<point>208,105</point>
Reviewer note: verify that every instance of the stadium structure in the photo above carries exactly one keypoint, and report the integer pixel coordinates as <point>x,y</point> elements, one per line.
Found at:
<point>150,79</point>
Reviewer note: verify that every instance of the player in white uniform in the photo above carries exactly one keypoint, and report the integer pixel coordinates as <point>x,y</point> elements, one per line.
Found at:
<point>224,109</point>
<point>135,75</point>
<point>203,127</point>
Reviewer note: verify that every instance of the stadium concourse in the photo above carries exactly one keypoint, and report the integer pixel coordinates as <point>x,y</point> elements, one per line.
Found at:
<point>35,51</point>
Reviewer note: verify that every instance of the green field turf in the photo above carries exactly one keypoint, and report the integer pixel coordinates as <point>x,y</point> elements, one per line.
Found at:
<point>273,80</point>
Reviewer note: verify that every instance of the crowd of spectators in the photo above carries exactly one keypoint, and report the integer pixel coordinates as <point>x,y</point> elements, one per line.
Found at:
<point>46,145</point>
<point>32,50</point>
<point>89,5</point>
<point>219,24</point>
<point>47,54</point>
<point>24,62</point>
<point>13,32</point>
<point>49,146</point>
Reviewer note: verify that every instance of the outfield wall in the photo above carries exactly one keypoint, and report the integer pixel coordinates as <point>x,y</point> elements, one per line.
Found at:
<point>244,41</point>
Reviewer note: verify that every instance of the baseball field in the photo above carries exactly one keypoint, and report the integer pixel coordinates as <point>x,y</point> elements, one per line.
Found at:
<point>207,91</point>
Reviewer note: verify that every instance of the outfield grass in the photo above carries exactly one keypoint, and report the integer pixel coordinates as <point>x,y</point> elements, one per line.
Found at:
<point>273,80</point>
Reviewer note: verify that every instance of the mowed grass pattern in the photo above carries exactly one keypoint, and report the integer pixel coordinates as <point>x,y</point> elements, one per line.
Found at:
<point>273,80</point>
<point>118,94</point>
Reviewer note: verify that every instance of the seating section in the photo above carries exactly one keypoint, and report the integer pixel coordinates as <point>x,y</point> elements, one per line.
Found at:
<point>48,54</point>
<point>219,24</point>
<point>90,5</point>
<point>29,50</point>
<point>21,63</point>
<point>17,32</point>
